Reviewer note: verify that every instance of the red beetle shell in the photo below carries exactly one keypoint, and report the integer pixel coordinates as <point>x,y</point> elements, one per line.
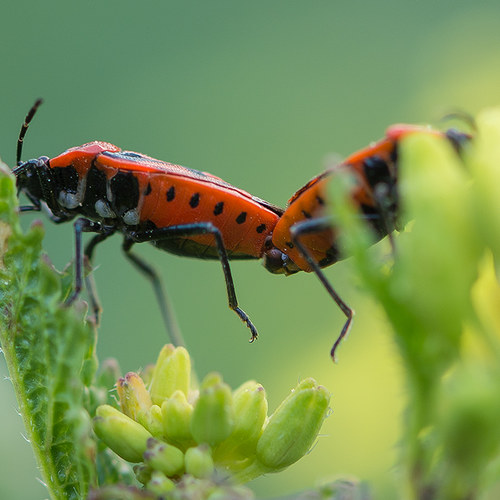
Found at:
<point>310,201</point>
<point>170,194</point>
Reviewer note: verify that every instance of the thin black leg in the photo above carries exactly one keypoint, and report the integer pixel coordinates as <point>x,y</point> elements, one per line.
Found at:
<point>30,208</point>
<point>37,207</point>
<point>167,311</point>
<point>82,225</point>
<point>197,229</point>
<point>312,226</point>
<point>95,304</point>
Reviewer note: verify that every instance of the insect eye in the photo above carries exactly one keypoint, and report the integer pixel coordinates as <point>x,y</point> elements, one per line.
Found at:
<point>275,261</point>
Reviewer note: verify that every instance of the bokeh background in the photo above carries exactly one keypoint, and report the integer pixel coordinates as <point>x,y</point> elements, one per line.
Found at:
<point>261,94</point>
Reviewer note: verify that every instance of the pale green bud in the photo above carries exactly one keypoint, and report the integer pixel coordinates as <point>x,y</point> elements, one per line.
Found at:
<point>294,426</point>
<point>159,484</point>
<point>250,413</point>
<point>152,420</point>
<point>176,418</point>
<point>199,461</point>
<point>171,373</point>
<point>164,457</point>
<point>142,473</point>
<point>134,397</point>
<point>212,419</point>
<point>434,177</point>
<point>123,435</point>
<point>484,163</point>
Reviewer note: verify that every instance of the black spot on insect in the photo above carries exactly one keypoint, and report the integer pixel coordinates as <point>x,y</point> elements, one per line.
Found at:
<point>171,193</point>
<point>394,154</point>
<point>95,190</point>
<point>332,255</point>
<point>241,218</point>
<point>66,178</point>
<point>376,170</point>
<point>195,200</point>
<point>307,215</point>
<point>320,200</point>
<point>289,244</point>
<point>372,215</point>
<point>148,225</point>
<point>125,191</point>
<point>261,228</point>
<point>148,189</point>
<point>369,211</point>
<point>219,207</point>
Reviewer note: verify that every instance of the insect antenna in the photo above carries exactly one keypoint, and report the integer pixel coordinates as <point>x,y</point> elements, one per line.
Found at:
<point>24,128</point>
<point>461,116</point>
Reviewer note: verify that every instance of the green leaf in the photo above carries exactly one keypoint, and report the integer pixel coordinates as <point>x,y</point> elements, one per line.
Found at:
<point>442,299</point>
<point>49,351</point>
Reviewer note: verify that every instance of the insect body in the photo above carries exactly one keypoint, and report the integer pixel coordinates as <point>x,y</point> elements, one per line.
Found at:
<point>305,237</point>
<point>180,210</point>
<point>193,213</point>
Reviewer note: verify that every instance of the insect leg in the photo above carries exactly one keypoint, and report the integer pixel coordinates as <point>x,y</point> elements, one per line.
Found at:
<point>197,229</point>
<point>82,225</point>
<point>311,226</point>
<point>162,298</point>
<point>88,253</point>
<point>30,208</point>
<point>37,207</point>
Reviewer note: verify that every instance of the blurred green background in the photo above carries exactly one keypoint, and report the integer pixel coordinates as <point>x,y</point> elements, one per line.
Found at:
<point>260,94</point>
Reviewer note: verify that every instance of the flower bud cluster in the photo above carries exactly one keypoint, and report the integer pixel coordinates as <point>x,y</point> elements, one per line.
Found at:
<point>172,430</point>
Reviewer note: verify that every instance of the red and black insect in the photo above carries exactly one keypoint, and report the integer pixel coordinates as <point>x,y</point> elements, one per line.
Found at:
<point>305,237</point>
<point>192,213</point>
<point>177,209</point>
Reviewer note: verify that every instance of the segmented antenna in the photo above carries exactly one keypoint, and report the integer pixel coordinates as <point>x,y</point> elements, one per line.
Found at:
<point>24,128</point>
<point>461,116</point>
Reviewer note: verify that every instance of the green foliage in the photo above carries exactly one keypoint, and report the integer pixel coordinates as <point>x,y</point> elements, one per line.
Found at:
<point>442,298</point>
<point>49,352</point>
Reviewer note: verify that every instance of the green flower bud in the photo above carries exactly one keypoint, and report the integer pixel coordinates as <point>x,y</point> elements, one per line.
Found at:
<point>142,473</point>
<point>123,435</point>
<point>152,420</point>
<point>432,176</point>
<point>212,419</point>
<point>159,484</point>
<point>164,457</point>
<point>176,417</point>
<point>199,461</point>
<point>250,412</point>
<point>484,166</point>
<point>294,426</point>
<point>134,397</point>
<point>171,373</point>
